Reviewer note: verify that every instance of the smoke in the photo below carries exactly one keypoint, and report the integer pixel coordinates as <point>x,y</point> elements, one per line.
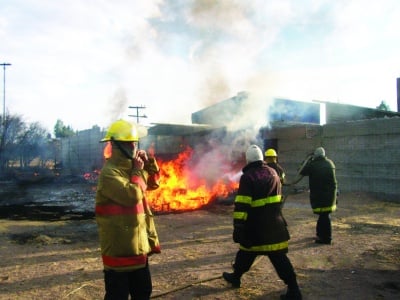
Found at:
<point>215,44</point>
<point>117,105</point>
<point>242,116</point>
<point>214,87</point>
<point>194,51</point>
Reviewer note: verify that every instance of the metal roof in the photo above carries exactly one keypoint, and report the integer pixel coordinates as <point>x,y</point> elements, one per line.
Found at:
<point>180,129</point>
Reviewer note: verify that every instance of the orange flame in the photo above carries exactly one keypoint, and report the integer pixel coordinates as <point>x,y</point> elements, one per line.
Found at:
<point>182,189</point>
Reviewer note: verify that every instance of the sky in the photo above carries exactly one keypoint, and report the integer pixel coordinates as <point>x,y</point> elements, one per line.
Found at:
<point>86,62</point>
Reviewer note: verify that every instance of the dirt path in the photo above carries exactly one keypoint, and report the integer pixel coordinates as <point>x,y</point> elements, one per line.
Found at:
<point>60,259</point>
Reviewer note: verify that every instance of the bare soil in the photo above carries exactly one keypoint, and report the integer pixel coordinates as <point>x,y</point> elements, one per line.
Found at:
<point>46,254</point>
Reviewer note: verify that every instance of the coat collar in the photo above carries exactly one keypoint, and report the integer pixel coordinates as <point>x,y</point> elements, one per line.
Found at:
<point>253,164</point>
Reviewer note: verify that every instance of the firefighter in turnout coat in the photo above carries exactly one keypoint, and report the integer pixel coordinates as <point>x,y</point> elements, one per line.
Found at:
<point>323,192</point>
<point>125,222</point>
<point>259,226</point>
<point>271,158</point>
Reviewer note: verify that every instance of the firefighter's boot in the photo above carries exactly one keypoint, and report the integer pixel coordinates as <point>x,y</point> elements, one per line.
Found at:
<point>293,293</point>
<point>232,278</point>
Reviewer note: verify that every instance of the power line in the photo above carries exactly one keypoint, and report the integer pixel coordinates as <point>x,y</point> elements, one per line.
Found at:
<point>137,116</point>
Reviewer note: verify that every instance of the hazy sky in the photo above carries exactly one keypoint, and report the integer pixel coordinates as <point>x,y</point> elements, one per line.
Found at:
<point>86,61</point>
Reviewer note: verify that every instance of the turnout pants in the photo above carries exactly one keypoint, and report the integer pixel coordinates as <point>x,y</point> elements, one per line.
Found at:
<point>280,261</point>
<point>119,285</point>
<point>324,227</point>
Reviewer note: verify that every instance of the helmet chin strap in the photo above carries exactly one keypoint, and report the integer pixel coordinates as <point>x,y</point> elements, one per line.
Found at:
<point>123,150</point>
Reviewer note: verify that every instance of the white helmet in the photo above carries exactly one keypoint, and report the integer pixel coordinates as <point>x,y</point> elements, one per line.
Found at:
<point>254,153</point>
<point>319,152</point>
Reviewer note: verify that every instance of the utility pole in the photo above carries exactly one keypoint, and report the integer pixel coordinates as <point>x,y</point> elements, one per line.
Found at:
<point>4,90</point>
<point>137,116</point>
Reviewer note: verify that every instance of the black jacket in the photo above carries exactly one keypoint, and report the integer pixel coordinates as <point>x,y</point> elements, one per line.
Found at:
<point>323,184</point>
<point>258,222</point>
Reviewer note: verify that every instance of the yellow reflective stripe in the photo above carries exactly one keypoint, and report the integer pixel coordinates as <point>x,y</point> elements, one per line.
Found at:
<point>259,202</point>
<point>271,247</point>
<point>243,199</point>
<point>325,209</point>
<point>268,200</point>
<point>240,215</point>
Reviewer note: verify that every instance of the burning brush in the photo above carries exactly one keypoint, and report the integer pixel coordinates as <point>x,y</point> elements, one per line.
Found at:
<point>182,189</point>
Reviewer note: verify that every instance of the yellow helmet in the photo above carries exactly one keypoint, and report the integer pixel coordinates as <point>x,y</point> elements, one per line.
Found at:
<point>270,152</point>
<point>122,131</point>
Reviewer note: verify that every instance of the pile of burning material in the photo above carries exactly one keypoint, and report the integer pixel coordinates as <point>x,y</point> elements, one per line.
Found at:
<point>187,184</point>
<point>91,177</point>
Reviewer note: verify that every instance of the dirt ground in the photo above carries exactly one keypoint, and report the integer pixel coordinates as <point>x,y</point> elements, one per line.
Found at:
<point>60,259</point>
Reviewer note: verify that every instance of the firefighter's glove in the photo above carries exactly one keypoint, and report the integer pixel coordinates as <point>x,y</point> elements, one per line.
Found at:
<point>153,181</point>
<point>150,165</point>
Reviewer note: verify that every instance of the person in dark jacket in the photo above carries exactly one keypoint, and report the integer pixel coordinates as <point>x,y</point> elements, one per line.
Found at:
<point>258,224</point>
<point>323,192</point>
<point>271,158</point>
<point>125,222</point>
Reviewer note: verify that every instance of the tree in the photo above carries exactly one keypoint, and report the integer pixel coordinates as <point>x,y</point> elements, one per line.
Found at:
<point>383,106</point>
<point>62,131</point>
<point>10,130</point>
<point>32,143</point>
<point>21,142</point>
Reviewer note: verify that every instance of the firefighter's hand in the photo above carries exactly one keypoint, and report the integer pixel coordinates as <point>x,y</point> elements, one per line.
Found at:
<point>143,155</point>
<point>137,163</point>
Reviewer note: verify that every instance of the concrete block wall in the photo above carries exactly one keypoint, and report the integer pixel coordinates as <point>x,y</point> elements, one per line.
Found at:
<point>294,145</point>
<point>82,153</point>
<point>366,153</point>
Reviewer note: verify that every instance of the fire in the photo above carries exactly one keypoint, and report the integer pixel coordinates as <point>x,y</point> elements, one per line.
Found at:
<point>181,189</point>
<point>91,176</point>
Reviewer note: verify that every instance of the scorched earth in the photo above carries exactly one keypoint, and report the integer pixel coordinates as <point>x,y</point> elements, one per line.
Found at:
<point>49,250</point>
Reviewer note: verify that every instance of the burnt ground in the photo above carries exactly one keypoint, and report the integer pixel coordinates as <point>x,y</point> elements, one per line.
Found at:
<point>49,249</point>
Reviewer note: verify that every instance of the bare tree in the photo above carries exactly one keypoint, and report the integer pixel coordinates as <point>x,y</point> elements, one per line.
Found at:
<point>10,131</point>
<point>21,143</point>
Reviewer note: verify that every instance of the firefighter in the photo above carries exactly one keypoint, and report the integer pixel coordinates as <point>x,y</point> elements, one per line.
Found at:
<point>125,222</point>
<point>271,158</point>
<point>258,224</point>
<point>323,192</point>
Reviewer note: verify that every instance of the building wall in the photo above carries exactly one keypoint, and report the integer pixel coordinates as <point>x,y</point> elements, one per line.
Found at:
<point>82,152</point>
<point>336,113</point>
<point>365,153</point>
<point>282,110</point>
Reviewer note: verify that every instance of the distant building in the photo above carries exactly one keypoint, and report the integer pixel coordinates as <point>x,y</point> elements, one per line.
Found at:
<point>281,111</point>
<point>336,112</point>
<point>277,110</point>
